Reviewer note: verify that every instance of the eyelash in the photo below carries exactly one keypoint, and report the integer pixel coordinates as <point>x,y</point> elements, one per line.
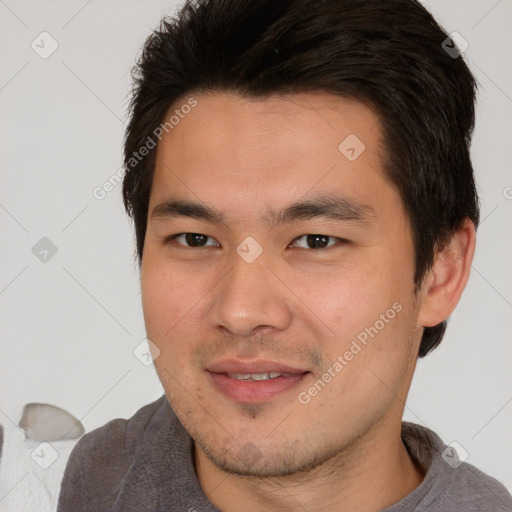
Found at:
<point>173,238</point>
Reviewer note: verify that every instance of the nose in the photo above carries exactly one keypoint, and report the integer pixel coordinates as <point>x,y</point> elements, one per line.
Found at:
<point>251,297</point>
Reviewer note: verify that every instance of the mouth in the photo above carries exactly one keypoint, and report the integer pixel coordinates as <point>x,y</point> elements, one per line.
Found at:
<point>258,376</point>
<point>255,381</point>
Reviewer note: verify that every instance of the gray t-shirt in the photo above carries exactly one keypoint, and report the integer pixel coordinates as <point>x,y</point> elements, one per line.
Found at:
<point>146,464</point>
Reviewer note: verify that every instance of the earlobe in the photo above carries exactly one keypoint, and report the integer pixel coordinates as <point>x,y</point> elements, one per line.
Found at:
<point>444,284</point>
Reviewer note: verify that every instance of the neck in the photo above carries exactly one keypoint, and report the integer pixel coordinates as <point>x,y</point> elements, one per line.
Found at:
<point>373,473</point>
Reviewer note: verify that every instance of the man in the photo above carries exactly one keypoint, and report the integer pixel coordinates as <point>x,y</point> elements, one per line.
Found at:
<point>300,181</point>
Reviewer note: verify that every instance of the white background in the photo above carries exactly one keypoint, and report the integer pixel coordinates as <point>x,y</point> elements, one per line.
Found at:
<point>68,327</point>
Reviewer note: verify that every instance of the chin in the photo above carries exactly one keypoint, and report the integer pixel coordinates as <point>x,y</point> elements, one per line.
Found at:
<point>266,461</point>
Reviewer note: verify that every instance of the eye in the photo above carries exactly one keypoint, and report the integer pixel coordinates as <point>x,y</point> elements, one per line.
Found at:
<point>193,240</point>
<point>315,241</point>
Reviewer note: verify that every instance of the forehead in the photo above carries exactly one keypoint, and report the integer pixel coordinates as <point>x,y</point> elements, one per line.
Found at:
<point>287,121</point>
<point>230,150</point>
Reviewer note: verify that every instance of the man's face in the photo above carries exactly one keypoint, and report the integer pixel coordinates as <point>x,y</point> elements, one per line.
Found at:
<point>279,350</point>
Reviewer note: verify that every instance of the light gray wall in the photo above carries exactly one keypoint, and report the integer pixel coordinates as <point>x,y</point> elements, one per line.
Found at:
<point>69,325</point>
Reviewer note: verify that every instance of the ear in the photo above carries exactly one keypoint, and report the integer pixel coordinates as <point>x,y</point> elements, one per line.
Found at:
<point>444,284</point>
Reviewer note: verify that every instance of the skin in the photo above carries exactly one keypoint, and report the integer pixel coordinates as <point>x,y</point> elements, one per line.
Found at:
<point>293,304</point>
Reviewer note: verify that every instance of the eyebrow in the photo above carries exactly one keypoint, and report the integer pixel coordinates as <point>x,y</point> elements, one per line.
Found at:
<point>331,207</point>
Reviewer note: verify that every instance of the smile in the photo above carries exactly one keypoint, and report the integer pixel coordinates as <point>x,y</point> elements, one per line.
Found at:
<point>257,376</point>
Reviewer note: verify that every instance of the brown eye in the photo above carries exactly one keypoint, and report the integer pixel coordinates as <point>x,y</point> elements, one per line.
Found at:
<point>194,240</point>
<point>315,241</point>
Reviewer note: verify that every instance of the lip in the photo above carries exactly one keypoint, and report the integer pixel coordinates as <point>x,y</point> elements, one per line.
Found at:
<point>250,391</point>
<point>257,366</point>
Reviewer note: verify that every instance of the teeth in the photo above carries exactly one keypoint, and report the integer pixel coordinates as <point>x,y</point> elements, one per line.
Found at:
<point>254,376</point>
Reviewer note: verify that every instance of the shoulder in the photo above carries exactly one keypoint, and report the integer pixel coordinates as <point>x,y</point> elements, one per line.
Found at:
<point>450,483</point>
<point>473,490</point>
<point>101,458</point>
<point>118,439</point>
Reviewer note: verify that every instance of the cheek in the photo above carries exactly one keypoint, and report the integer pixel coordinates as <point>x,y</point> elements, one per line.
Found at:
<point>168,297</point>
<point>346,298</point>
<point>363,309</point>
<point>165,298</point>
